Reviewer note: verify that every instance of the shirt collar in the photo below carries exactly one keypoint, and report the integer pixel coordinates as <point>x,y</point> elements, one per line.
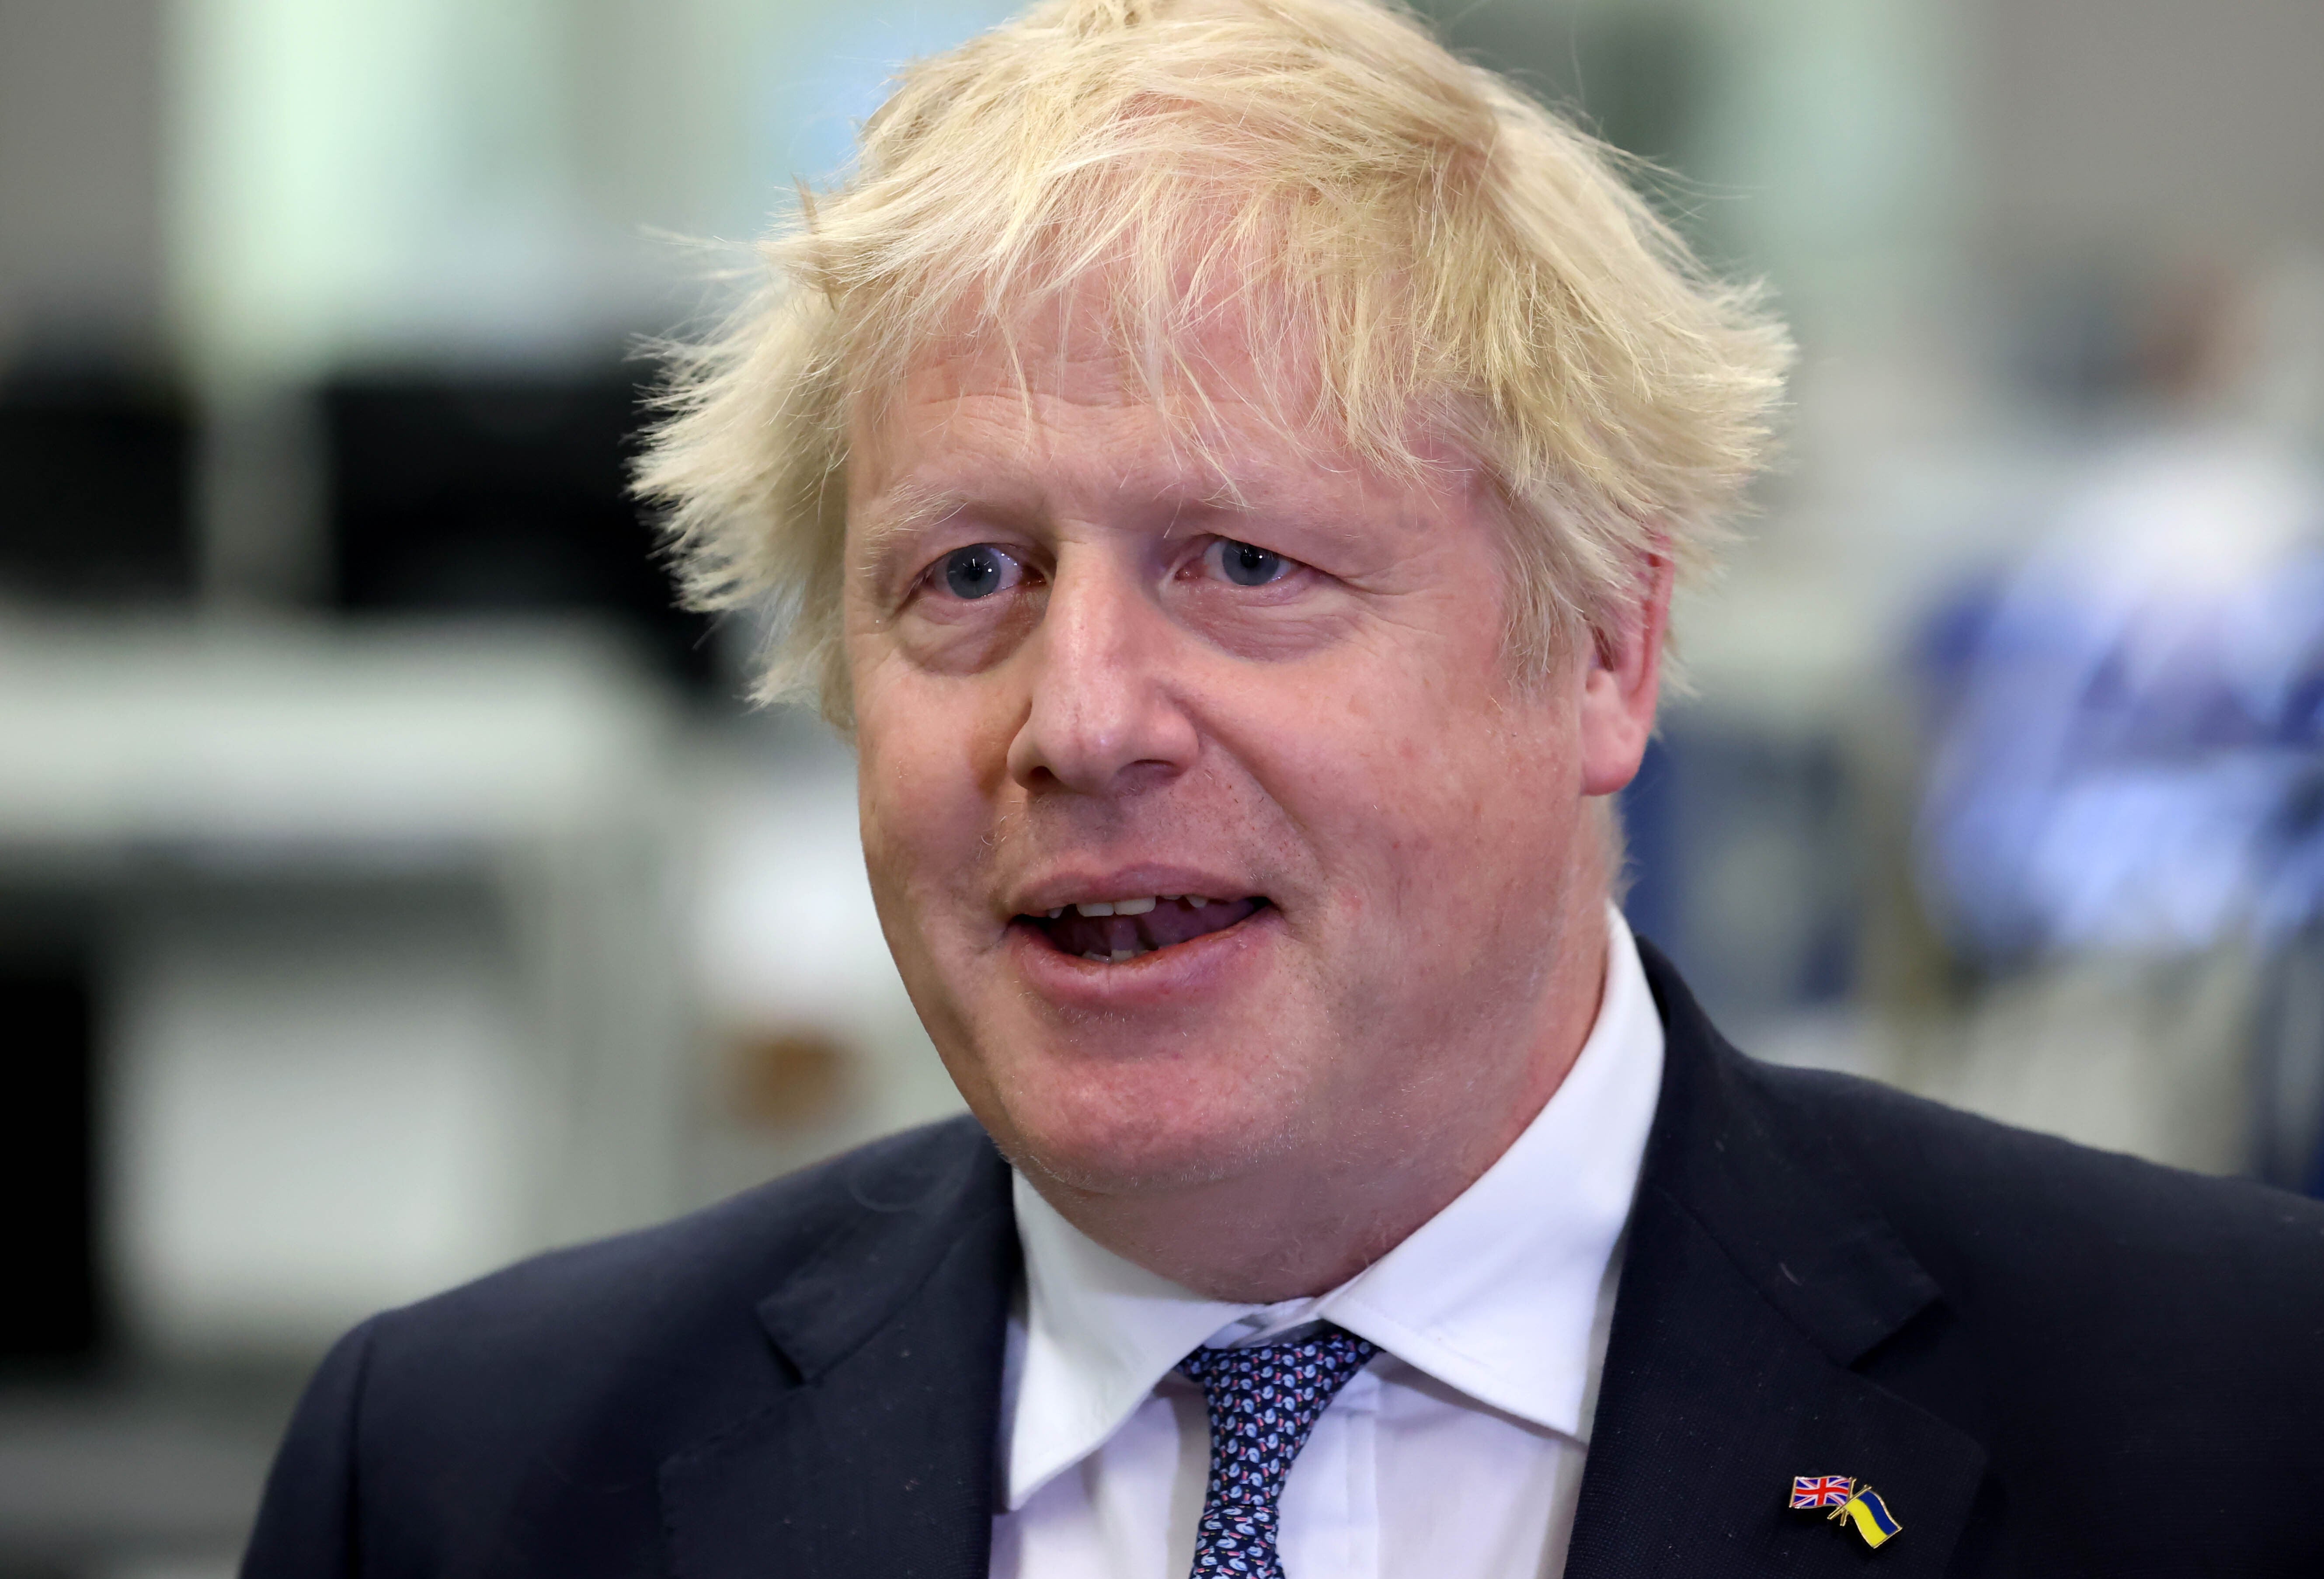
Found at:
<point>1495,1295</point>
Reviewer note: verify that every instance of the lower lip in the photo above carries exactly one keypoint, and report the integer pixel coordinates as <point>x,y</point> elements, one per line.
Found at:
<point>1195,968</point>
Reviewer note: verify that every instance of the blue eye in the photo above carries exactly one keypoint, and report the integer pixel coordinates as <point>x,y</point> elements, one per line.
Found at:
<point>979,571</point>
<point>1248,565</point>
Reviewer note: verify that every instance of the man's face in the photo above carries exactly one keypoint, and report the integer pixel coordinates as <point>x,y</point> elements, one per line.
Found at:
<point>1251,695</point>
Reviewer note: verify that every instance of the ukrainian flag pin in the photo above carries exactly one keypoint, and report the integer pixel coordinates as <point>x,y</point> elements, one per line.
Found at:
<point>1870,1515</point>
<point>1857,1504</point>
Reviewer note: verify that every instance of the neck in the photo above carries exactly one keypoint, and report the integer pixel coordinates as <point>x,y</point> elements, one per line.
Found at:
<point>1334,1204</point>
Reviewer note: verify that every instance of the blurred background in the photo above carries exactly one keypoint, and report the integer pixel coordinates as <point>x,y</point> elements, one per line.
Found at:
<point>391,884</point>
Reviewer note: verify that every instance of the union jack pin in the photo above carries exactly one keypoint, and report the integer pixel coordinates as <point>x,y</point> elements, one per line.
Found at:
<point>1822,1491</point>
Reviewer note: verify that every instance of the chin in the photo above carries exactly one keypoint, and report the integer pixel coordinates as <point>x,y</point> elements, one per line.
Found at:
<point>1116,1137</point>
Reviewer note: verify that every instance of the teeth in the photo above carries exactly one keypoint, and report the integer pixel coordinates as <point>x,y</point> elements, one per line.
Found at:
<point>1137,907</point>
<point>1100,958</point>
<point>1121,953</point>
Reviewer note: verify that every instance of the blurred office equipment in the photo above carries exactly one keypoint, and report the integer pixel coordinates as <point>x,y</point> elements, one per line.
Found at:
<point>48,1157</point>
<point>387,950</point>
<point>498,493</point>
<point>99,470</point>
<point>285,828</point>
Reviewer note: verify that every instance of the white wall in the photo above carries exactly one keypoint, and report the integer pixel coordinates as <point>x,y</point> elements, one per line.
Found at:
<point>494,178</point>
<point>80,175</point>
<point>2167,123</point>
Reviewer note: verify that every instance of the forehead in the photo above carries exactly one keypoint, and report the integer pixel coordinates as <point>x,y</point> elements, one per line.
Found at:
<point>1060,402</point>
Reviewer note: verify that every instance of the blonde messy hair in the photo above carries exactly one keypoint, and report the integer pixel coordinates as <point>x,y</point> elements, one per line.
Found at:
<point>1459,263</point>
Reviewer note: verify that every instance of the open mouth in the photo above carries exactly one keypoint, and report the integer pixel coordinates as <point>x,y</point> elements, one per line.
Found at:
<point>1115,931</point>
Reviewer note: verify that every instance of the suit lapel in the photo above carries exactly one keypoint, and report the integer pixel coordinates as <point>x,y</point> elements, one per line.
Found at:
<point>1757,1275</point>
<point>878,1459</point>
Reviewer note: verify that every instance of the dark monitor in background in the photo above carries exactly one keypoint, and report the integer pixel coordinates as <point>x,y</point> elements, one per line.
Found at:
<point>501,493</point>
<point>95,491</point>
<point>53,1314</point>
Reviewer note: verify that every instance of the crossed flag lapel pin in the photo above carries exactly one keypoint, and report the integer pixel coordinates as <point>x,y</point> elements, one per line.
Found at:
<point>1850,1503</point>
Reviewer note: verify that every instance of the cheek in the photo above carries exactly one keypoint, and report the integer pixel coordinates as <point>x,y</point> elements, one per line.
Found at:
<point>1461,802</point>
<point>931,756</point>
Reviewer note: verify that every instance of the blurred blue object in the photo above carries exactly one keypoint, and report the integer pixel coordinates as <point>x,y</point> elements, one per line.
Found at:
<point>2130,741</point>
<point>1742,863</point>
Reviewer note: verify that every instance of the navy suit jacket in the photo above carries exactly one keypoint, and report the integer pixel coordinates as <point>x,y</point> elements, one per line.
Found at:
<point>2049,1361</point>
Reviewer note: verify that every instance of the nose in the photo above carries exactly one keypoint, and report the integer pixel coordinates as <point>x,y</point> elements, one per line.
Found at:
<point>1106,716</point>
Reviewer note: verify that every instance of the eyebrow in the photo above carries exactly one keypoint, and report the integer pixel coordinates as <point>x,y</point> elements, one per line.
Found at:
<point>906,511</point>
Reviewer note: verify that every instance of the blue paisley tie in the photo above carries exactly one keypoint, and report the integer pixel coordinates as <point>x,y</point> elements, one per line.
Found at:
<point>1263,1402</point>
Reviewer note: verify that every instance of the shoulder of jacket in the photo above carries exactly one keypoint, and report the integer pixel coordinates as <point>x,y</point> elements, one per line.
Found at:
<point>722,1257</point>
<point>1953,1181</point>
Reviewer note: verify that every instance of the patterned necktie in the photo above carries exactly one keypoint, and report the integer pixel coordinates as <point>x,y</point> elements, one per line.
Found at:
<point>1263,1402</point>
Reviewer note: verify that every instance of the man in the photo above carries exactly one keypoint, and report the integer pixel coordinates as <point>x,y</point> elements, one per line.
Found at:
<point>1226,462</point>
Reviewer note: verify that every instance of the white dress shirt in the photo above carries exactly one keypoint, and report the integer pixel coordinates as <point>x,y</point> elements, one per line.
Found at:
<point>1456,1454</point>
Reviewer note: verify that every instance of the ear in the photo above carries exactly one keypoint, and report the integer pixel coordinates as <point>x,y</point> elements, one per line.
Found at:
<point>1623,683</point>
